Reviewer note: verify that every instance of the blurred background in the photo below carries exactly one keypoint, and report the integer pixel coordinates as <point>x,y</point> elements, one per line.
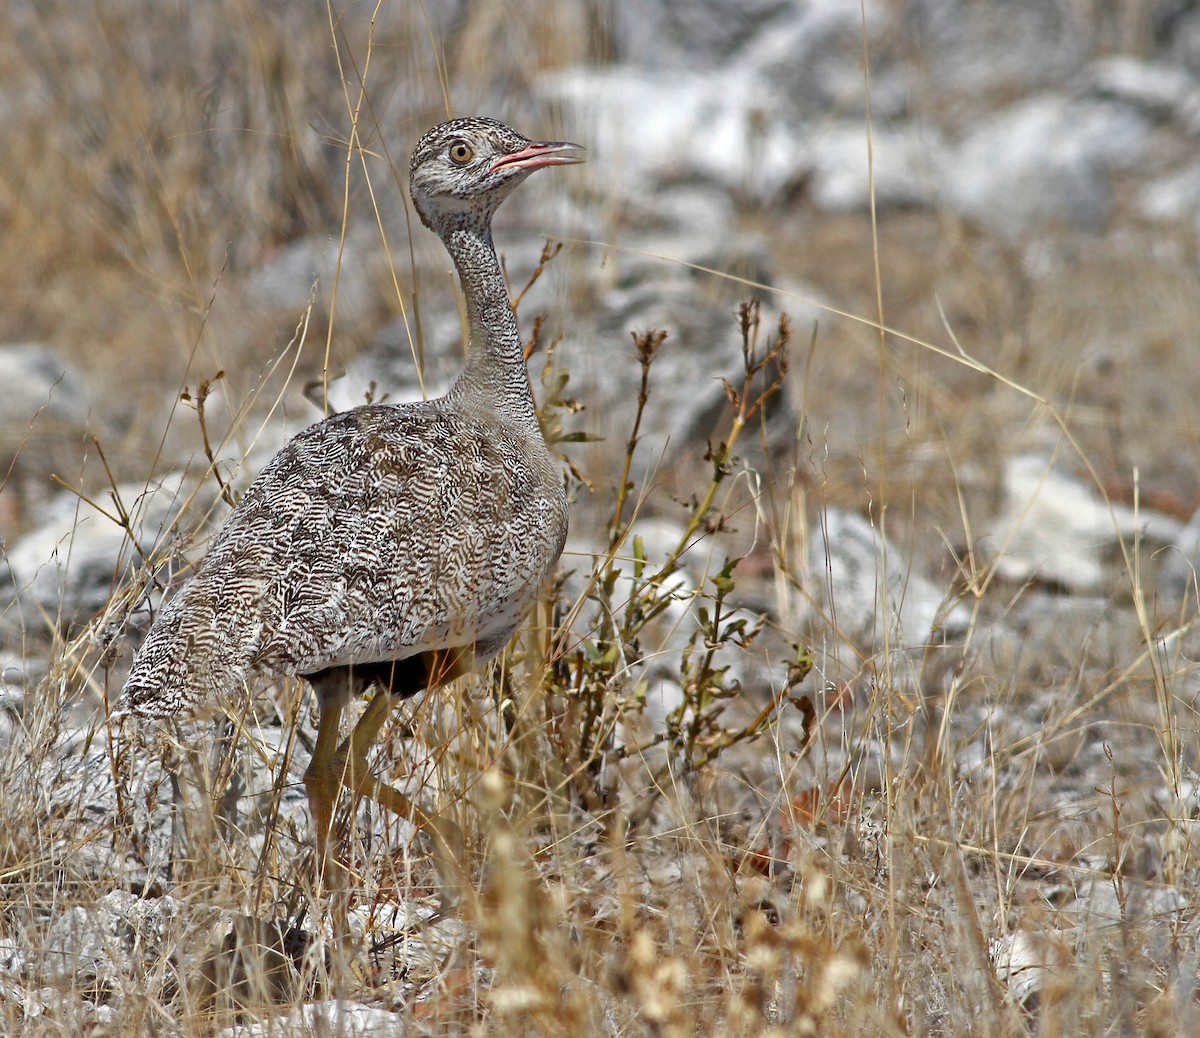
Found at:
<point>970,503</point>
<point>209,245</point>
<point>1020,183</point>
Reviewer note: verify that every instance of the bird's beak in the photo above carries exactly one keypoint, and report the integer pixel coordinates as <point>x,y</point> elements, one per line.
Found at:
<point>539,154</point>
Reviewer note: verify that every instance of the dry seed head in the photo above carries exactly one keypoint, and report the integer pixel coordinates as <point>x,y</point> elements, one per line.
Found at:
<point>833,975</point>
<point>658,984</point>
<point>764,949</point>
<point>493,790</point>
<point>516,998</point>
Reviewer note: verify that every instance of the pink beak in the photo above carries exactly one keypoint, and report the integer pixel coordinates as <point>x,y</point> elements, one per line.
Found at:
<point>539,154</point>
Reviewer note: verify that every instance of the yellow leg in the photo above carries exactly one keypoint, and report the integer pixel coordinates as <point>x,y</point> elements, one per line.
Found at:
<point>350,765</point>
<point>321,784</point>
<point>322,781</point>
<point>334,766</point>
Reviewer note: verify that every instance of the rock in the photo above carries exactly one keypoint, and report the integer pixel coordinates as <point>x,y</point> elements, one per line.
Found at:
<point>1044,163</point>
<point>703,212</point>
<point>348,1019</point>
<point>1176,27</point>
<point>69,566</point>
<point>972,51</point>
<point>686,393</point>
<point>674,634</point>
<point>71,1012</point>
<point>812,56</point>
<point>1178,577</point>
<point>672,125</point>
<point>17,674</point>
<point>909,166</point>
<point>653,32</point>
<point>307,269</point>
<point>1145,901</point>
<point>1159,90</point>
<point>36,386</point>
<point>389,363</point>
<point>1054,528</point>
<point>1031,961</point>
<point>77,790</point>
<point>44,407</point>
<point>1174,198</point>
<point>687,400</point>
<point>91,948</point>
<point>868,593</point>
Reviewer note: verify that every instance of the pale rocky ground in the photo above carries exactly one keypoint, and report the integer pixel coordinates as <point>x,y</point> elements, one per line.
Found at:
<point>981,527</point>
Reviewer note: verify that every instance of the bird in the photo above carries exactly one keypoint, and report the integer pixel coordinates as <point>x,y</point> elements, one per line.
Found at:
<point>389,547</point>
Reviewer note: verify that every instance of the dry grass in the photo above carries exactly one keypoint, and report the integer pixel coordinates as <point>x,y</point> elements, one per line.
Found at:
<point>994,838</point>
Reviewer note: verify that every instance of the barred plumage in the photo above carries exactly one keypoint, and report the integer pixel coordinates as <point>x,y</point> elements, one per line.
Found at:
<point>393,545</point>
<point>377,534</point>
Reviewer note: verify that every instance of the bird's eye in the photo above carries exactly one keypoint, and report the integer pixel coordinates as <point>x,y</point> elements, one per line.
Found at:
<point>461,153</point>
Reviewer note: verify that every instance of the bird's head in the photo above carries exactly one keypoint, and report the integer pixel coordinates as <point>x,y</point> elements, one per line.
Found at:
<point>463,169</point>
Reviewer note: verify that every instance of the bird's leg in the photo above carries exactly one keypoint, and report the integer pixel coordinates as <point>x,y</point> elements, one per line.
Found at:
<point>322,781</point>
<point>320,784</point>
<point>351,763</point>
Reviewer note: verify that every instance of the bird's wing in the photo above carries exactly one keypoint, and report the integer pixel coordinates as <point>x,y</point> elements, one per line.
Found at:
<point>373,535</point>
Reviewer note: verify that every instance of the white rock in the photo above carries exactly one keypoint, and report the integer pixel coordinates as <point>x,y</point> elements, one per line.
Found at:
<point>1028,961</point>
<point>1154,905</point>
<point>656,31</point>
<point>863,583</point>
<point>1174,198</point>
<point>391,366</point>
<point>309,268</point>
<point>1160,90</point>
<point>664,640</point>
<point>1055,528</point>
<point>908,163</point>
<point>1177,26</point>
<point>1045,162</point>
<point>92,946</point>
<point>44,412</point>
<point>344,1018</point>
<point>669,125</point>
<point>687,395</point>
<point>73,784</point>
<point>1181,563</point>
<point>812,56</point>
<point>971,51</point>
<point>703,211</point>
<point>18,673</point>
<point>68,566</point>
<point>36,386</point>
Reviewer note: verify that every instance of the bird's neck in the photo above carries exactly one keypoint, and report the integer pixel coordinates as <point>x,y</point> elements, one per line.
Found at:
<point>494,375</point>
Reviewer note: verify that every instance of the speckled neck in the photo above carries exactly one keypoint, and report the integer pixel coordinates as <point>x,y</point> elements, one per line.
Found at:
<point>494,376</point>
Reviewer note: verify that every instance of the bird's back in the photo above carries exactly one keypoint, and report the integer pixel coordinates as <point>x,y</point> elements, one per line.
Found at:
<point>379,533</point>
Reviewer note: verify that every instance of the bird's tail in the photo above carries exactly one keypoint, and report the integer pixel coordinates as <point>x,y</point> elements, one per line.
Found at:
<point>185,660</point>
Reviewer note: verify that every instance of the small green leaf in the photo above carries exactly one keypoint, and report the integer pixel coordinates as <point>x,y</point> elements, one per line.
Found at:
<point>724,580</point>
<point>639,555</point>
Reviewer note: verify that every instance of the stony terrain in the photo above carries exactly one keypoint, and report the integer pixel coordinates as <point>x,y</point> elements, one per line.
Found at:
<point>924,761</point>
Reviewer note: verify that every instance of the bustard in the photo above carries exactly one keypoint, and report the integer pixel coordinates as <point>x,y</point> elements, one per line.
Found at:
<point>392,546</point>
